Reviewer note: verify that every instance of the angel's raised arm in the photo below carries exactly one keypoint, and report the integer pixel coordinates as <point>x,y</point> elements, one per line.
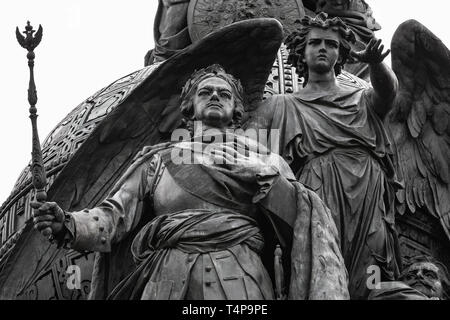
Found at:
<point>383,79</point>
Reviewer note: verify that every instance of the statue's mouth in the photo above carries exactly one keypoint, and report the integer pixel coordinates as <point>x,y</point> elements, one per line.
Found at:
<point>217,105</point>
<point>422,284</point>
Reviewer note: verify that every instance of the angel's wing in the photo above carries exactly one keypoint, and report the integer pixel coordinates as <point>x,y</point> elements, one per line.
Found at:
<point>420,120</point>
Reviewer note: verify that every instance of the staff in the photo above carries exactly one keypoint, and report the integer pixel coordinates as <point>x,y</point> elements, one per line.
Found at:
<point>30,42</point>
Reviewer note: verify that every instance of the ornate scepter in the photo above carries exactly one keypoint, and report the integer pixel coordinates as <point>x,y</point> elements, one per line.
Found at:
<point>30,42</point>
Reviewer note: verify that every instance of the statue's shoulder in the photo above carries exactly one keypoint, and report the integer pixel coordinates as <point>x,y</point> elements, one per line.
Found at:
<point>275,100</point>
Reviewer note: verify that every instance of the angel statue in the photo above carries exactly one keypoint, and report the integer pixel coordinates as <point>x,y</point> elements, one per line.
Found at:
<point>211,212</point>
<point>333,137</point>
<point>358,16</point>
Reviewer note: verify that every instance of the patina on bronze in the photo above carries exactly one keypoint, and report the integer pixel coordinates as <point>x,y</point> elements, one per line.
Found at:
<point>89,150</point>
<point>423,278</point>
<point>333,138</point>
<point>179,23</point>
<point>30,42</point>
<point>206,16</point>
<point>197,226</point>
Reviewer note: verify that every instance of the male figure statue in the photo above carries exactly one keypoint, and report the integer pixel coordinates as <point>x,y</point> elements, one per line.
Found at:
<point>205,236</point>
<point>333,137</point>
<point>423,278</point>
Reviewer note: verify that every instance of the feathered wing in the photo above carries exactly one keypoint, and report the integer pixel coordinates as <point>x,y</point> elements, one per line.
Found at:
<point>420,120</point>
<point>150,114</point>
<point>20,38</point>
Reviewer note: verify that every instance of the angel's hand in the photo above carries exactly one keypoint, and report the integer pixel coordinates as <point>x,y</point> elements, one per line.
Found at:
<point>373,53</point>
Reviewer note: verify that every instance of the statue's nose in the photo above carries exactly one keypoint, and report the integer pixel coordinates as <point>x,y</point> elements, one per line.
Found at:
<point>215,96</point>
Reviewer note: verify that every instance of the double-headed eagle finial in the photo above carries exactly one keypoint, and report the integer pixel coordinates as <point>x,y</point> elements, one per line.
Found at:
<point>29,41</point>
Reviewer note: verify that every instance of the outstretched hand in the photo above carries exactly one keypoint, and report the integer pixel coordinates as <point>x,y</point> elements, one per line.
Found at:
<point>48,218</point>
<point>373,53</point>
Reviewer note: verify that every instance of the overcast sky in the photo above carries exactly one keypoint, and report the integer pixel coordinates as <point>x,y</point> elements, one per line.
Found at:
<point>89,44</point>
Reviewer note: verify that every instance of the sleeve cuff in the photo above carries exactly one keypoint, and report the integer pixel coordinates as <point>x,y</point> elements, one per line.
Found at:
<point>66,237</point>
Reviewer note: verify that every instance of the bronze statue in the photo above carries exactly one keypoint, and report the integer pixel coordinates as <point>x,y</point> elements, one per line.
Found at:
<point>204,238</point>
<point>426,275</point>
<point>420,132</point>
<point>170,29</point>
<point>334,139</point>
<point>357,15</point>
<point>88,152</point>
<point>424,278</point>
<point>179,23</point>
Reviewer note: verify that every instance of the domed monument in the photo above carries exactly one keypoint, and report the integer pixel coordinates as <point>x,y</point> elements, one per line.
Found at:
<point>89,151</point>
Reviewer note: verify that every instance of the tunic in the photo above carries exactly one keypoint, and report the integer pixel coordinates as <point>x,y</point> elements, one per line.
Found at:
<point>338,147</point>
<point>205,241</point>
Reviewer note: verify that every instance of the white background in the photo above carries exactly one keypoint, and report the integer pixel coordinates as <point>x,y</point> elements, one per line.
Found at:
<point>89,44</point>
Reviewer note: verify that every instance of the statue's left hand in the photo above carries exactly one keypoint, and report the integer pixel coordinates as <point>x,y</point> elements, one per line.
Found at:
<point>372,54</point>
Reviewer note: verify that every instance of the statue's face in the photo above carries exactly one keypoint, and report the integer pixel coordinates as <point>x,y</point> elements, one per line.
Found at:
<point>214,102</point>
<point>424,277</point>
<point>322,50</point>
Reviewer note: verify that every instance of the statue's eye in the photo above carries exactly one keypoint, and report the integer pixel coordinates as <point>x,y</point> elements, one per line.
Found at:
<point>203,92</point>
<point>333,44</point>
<point>430,274</point>
<point>225,94</point>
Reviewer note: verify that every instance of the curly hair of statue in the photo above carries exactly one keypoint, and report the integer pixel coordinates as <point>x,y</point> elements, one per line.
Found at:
<point>296,42</point>
<point>190,88</point>
<point>350,5</point>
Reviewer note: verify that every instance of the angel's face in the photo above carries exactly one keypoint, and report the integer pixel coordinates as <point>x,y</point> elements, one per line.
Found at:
<point>322,50</point>
<point>214,103</point>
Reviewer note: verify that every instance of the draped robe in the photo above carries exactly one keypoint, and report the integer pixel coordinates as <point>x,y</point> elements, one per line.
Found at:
<point>165,250</point>
<point>170,28</point>
<point>338,147</point>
